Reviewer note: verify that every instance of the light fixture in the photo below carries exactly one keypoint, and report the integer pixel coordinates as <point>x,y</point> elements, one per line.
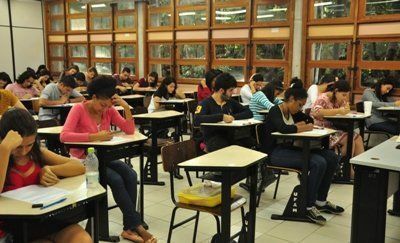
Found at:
<point>99,5</point>
<point>223,18</point>
<point>187,13</point>
<point>322,4</point>
<point>231,12</point>
<point>265,16</point>
<point>386,1</point>
<point>277,10</point>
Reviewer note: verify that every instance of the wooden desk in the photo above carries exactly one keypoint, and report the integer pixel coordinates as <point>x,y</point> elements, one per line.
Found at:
<point>63,110</point>
<point>182,105</point>
<point>134,100</point>
<point>235,124</point>
<point>349,121</point>
<point>31,104</point>
<point>124,146</point>
<point>157,121</point>
<point>296,207</point>
<point>52,137</point>
<point>149,92</point>
<point>376,178</point>
<point>229,161</point>
<point>392,110</point>
<point>23,215</point>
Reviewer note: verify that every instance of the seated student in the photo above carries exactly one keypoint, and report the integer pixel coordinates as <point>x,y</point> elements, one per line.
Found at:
<point>58,94</point>
<point>23,88</point>
<point>167,90</point>
<point>24,162</point>
<point>316,90</point>
<point>150,83</point>
<point>123,80</point>
<point>40,68</point>
<point>255,84</point>
<point>4,80</point>
<point>72,70</point>
<point>81,84</point>
<point>43,79</point>
<point>378,94</point>
<point>204,89</point>
<point>288,118</point>
<point>90,74</point>
<point>220,107</point>
<point>91,121</point>
<point>265,99</point>
<point>7,100</point>
<point>333,102</point>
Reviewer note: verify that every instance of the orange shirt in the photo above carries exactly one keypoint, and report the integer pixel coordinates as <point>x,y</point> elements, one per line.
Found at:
<point>7,99</point>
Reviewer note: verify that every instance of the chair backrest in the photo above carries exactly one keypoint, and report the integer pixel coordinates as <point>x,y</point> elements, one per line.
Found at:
<point>176,153</point>
<point>360,106</point>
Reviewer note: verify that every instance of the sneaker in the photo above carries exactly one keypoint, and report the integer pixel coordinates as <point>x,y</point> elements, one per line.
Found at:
<point>315,216</point>
<point>330,208</point>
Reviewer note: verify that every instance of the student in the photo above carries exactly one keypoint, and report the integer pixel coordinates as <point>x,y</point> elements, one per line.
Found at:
<point>150,83</point>
<point>265,99</point>
<point>255,84</point>
<point>333,102</point>
<point>80,82</point>
<point>168,89</point>
<point>43,79</point>
<point>379,94</point>
<point>58,94</point>
<point>288,118</point>
<point>72,70</point>
<point>317,89</point>
<point>40,68</point>
<point>205,88</point>
<point>90,74</point>
<point>220,107</point>
<point>4,80</point>
<point>91,121</point>
<point>123,80</point>
<point>23,88</point>
<point>7,100</point>
<point>24,162</point>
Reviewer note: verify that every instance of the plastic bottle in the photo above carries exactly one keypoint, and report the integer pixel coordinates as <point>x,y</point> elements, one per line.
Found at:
<point>92,169</point>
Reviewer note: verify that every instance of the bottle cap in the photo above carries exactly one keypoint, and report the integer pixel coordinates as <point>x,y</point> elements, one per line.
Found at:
<point>90,150</point>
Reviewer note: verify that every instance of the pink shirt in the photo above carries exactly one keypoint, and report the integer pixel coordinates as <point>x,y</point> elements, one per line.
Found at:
<point>323,102</point>
<point>20,91</point>
<point>79,125</point>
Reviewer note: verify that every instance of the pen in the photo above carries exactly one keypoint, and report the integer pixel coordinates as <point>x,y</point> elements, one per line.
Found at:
<point>44,206</point>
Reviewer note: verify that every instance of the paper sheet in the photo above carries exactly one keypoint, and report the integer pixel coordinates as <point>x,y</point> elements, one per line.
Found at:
<point>36,194</point>
<point>316,132</point>
<point>243,122</point>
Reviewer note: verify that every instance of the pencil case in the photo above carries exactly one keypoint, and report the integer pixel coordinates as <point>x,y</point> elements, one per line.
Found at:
<point>203,195</point>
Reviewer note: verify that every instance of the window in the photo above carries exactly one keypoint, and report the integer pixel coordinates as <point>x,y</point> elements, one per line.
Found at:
<point>162,69</point>
<point>160,14</point>
<point>270,51</point>
<point>191,13</point>
<point>230,57</point>
<point>100,8</point>
<point>192,51</point>
<point>126,5</point>
<point>57,51</point>
<point>381,51</point>
<point>56,9</point>
<point>100,16</point>
<point>192,71</point>
<point>101,55</point>
<point>235,71</point>
<point>125,15</point>
<point>103,68</point>
<point>57,25</point>
<point>57,66</point>
<point>126,51</point>
<point>379,7</point>
<point>192,18</point>
<point>230,51</point>
<point>159,3</point>
<point>76,8</point>
<point>271,74</point>
<point>191,59</point>
<point>126,22</point>
<point>329,9</point>
<point>78,51</point>
<point>371,76</point>
<point>82,66</point>
<point>160,51</point>
<point>232,15</point>
<point>77,24</point>
<point>131,66</point>
<point>126,56</point>
<point>160,19</point>
<point>191,2</point>
<point>55,20</point>
<point>101,23</point>
<point>317,73</point>
<point>160,58</point>
<point>102,51</point>
<point>271,11</point>
<point>329,51</point>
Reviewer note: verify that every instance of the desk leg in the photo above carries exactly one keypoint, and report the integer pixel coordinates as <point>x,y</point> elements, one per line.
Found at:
<point>150,169</point>
<point>141,171</point>
<point>361,126</point>
<point>344,177</point>
<point>369,205</point>
<point>226,207</point>
<point>395,211</point>
<point>24,232</point>
<point>252,208</point>
<point>95,222</point>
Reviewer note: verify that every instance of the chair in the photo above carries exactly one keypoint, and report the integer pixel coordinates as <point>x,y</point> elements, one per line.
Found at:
<point>171,156</point>
<point>360,108</point>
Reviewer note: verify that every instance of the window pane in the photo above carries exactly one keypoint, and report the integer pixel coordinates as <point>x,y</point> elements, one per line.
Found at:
<point>57,66</point>
<point>103,67</point>
<point>164,69</point>
<point>126,22</point>
<point>126,5</point>
<point>192,18</point>
<point>192,71</point>
<point>192,2</point>
<point>160,19</point>
<point>369,76</point>
<point>77,24</point>
<point>271,74</point>
<point>159,3</point>
<point>56,51</point>
<point>126,51</point>
<point>381,51</point>
<point>160,51</point>
<point>329,51</point>
<point>102,51</point>
<point>77,8</point>
<point>318,73</point>
<point>235,71</point>
<point>131,66</point>
<point>230,15</point>
<point>270,51</point>
<point>327,9</point>
<point>192,51</point>
<point>57,25</point>
<point>101,23</point>
<point>100,7</point>
<point>56,9</point>
<point>272,12</point>
<point>78,51</point>
<point>230,51</point>
<point>379,7</point>
<point>82,66</point>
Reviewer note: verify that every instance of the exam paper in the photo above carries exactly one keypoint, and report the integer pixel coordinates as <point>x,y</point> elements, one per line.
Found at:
<point>35,194</point>
<point>316,132</point>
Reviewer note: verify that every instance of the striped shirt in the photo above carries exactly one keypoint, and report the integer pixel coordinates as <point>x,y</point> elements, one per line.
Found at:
<point>260,102</point>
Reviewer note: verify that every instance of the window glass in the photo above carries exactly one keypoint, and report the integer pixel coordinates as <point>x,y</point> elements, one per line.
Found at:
<point>329,9</point>
<point>329,51</point>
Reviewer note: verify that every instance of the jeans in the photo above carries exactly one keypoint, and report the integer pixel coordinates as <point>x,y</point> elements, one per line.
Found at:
<point>123,183</point>
<point>322,166</point>
<point>387,126</point>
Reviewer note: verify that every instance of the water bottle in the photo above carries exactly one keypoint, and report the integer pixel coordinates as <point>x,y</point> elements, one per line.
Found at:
<point>92,169</point>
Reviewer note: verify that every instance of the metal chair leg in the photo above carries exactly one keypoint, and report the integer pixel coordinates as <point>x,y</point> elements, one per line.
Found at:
<point>218,224</point>
<point>171,224</point>
<point>196,224</point>
<point>277,183</point>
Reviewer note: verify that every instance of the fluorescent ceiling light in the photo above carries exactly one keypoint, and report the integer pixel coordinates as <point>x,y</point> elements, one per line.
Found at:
<point>203,18</point>
<point>322,4</point>
<point>187,13</point>
<point>99,5</point>
<point>231,12</point>
<point>83,7</point>
<point>277,9</point>
<point>386,1</point>
<point>265,16</point>
<point>222,18</point>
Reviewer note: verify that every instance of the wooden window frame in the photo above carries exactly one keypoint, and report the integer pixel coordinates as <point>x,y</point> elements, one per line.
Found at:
<point>244,3</point>
<point>75,16</point>
<point>119,13</point>
<point>119,60</point>
<point>342,20</point>
<point>179,9</point>
<point>289,14</point>
<point>50,58</point>
<point>163,9</point>
<point>105,14</point>
<point>195,62</point>
<point>50,17</point>
<point>72,59</point>
<point>166,61</point>
<point>375,18</point>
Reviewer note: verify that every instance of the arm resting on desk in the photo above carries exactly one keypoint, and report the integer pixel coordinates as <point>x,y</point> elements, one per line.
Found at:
<point>62,166</point>
<point>5,153</point>
<point>240,112</point>
<point>369,95</point>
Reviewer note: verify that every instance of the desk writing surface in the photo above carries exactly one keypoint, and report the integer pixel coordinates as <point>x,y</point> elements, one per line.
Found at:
<point>389,108</point>
<point>30,99</point>
<point>235,123</point>
<point>59,106</point>
<point>383,156</point>
<point>120,108</point>
<point>75,185</point>
<point>159,114</point>
<point>176,101</point>
<point>134,96</point>
<point>34,117</point>
<point>50,130</point>
<point>236,95</point>
<point>118,139</point>
<point>230,157</point>
<point>357,115</point>
<point>315,133</point>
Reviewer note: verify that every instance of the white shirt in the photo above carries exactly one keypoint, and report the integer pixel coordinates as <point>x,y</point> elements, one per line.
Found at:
<point>312,93</point>
<point>245,94</point>
<point>152,107</point>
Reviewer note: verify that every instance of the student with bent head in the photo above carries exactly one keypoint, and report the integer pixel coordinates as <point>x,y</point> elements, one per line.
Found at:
<point>123,80</point>
<point>24,162</point>
<point>265,99</point>
<point>167,90</point>
<point>23,88</point>
<point>90,74</point>
<point>4,80</point>
<point>316,90</point>
<point>255,84</point>
<point>206,86</point>
<point>147,84</point>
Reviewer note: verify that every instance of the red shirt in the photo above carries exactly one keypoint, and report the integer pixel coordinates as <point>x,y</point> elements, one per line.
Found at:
<point>203,93</point>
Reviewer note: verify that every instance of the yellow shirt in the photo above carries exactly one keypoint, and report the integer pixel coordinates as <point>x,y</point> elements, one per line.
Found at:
<point>7,99</point>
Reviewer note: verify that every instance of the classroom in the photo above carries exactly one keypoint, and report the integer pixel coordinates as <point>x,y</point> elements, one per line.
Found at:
<point>204,121</point>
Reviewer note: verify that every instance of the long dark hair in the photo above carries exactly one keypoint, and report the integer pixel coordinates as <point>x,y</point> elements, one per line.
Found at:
<point>163,87</point>
<point>339,86</point>
<point>296,90</point>
<point>155,76</point>
<point>269,90</point>
<point>389,80</point>
<point>21,121</point>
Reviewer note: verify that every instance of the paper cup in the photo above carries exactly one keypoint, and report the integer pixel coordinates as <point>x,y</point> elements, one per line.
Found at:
<point>367,107</point>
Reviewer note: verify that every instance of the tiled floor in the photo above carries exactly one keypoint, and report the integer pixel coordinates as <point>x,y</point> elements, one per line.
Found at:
<point>158,209</point>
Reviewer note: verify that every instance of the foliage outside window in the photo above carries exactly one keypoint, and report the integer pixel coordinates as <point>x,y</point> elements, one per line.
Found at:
<point>329,51</point>
<point>379,7</point>
<point>126,21</point>
<point>160,19</point>
<point>192,18</point>
<point>57,51</point>
<point>82,66</point>
<point>159,3</point>
<point>192,71</point>
<point>318,73</point>
<point>163,69</point>
<point>371,76</point>
<point>192,51</point>
<point>230,15</point>
<point>126,5</point>
<point>272,12</point>
<point>129,65</point>
<point>103,67</point>
<point>230,51</point>
<point>272,73</point>
<point>161,51</point>
<point>57,25</point>
<point>235,71</point>
<point>102,51</point>
<point>78,51</point>
<point>57,66</point>
<point>76,8</point>
<point>381,51</point>
<point>329,9</point>
<point>270,51</point>
<point>77,24</point>
<point>126,51</point>
<point>101,23</point>
<point>56,9</point>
